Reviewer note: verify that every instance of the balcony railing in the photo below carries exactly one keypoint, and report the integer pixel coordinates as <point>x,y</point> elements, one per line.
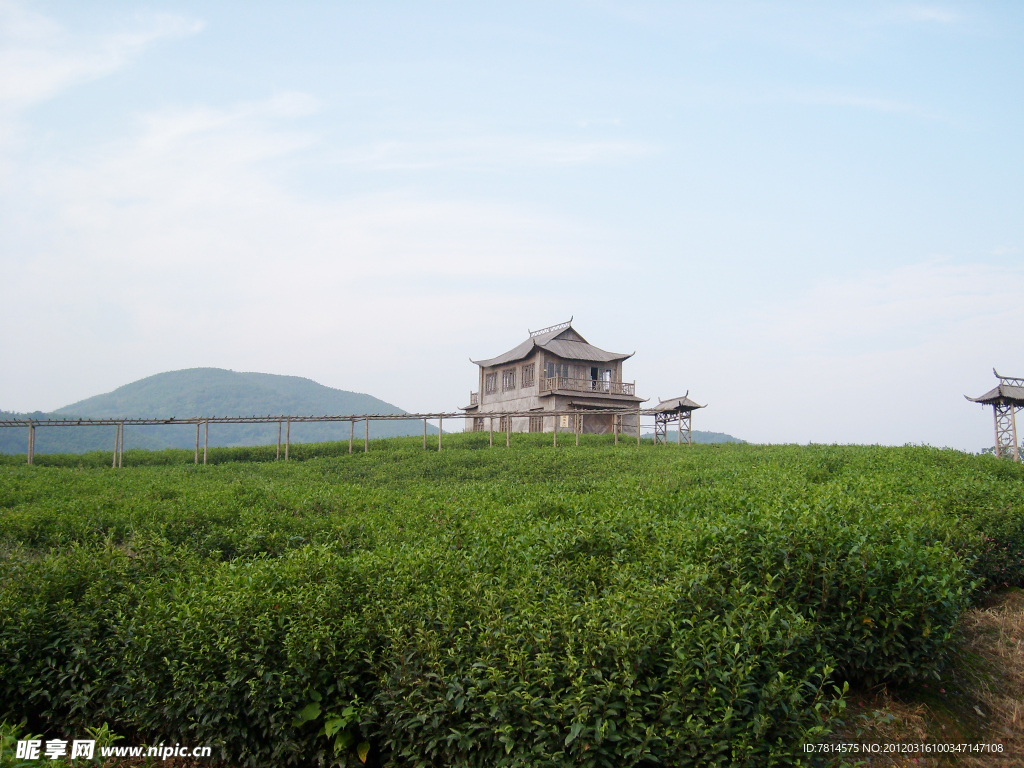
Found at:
<point>552,383</point>
<point>474,398</point>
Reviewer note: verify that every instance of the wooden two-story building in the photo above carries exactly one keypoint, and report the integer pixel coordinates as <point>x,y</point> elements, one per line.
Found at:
<point>556,369</point>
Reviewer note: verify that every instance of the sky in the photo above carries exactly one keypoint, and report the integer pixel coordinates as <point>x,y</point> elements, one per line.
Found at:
<point>809,215</point>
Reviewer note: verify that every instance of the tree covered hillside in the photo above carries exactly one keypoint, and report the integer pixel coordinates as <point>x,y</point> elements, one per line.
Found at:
<point>207,392</point>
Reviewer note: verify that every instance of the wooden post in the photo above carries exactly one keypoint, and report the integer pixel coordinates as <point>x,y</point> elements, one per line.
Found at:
<point>206,440</point>
<point>424,434</point>
<point>1013,426</point>
<point>579,428</point>
<point>120,449</point>
<point>554,432</point>
<point>508,431</point>
<point>616,423</point>
<point>279,427</point>
<point>196,461</point>
<point>638,426</point>
<point>117,436</point>
<point>995,416</point>
<point>679,429</point>
<point>351,434</point>
<point>366,437</point>
<point>440,430</point>
<point>31,453</point>
<point>490,432</point>
<point>287,437</point>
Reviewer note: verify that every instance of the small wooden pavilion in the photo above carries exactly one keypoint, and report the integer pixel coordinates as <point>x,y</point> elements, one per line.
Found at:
<point>679,410</point>
<point>1005,399</point>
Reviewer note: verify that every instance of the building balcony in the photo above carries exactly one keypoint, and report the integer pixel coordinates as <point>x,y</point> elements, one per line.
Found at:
<point>592,386</point>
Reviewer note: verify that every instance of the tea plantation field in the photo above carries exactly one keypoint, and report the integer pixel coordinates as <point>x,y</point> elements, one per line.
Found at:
<point>593,606</point>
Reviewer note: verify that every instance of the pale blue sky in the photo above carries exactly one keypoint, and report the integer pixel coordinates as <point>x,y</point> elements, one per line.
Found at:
<point>808,214</point>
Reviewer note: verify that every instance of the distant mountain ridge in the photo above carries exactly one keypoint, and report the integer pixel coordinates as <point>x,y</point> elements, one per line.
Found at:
<point>209,392</point>
<point>218,392</point>
<point>698,436</point>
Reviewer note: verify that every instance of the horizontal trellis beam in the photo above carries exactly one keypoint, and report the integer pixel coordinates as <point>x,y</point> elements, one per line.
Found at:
<point>350,417</point>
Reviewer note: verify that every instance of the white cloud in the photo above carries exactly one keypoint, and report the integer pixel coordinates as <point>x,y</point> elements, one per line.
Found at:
<point>880,356</point>
<point>201,184</point>
<point>39,58</point>
<point>898,308</point>
<point>927,14</point>
<point>855,101</point>
<point>187,246</point>
<point>185,241</point>
<point>490,152</point>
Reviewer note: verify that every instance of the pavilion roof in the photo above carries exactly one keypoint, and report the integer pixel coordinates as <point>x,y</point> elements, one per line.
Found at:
<point>683,403</point>
<point>1004,394</point>
<point>1009,392</point>
<point>563,341</point>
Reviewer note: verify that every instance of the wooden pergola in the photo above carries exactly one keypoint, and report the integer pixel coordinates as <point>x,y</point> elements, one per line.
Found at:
<point>284,422</point>
<point>679,410</point>
<point>1005,399</point>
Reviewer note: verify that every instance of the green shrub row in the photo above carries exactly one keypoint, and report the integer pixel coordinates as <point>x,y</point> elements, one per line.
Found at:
<point>602,606</point>
<point>441,661</point>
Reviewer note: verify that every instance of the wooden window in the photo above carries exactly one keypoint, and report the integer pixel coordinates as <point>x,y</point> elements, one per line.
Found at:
<point>556,369</point>
<point>478,425</point>
<point>491,383</point>
<point>536,423</point>
<point>528,375</point>
<point>508,379</point>
<point>503,424</point>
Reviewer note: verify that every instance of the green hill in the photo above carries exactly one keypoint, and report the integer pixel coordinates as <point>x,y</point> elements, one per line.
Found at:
<point>208,392</point>
<point>698,436</point>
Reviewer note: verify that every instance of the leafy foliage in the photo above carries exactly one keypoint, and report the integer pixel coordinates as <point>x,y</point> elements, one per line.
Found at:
<point>601,606</point>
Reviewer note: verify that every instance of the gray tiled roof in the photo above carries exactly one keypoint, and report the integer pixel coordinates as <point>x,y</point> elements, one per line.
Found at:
<point>1004,393</point>
<point>678,403</point>
<point>567,349</point>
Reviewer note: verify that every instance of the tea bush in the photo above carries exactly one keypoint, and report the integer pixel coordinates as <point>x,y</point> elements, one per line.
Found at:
<point>606,605</point>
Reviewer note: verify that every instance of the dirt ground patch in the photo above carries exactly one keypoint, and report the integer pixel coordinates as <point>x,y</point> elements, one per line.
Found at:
<point>979,700</point>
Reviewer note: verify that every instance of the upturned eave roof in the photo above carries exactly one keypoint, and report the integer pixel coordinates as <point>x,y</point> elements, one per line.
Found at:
<point>568,349</point>
<point>1004,394</point>
<point>683,403</point>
